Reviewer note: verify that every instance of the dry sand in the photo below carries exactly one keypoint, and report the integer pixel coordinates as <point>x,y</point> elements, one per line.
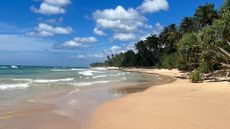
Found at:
<point>178,105</point>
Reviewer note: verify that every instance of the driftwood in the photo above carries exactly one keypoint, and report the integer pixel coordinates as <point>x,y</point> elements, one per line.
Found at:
<point>219,75</point>
<point>219,79</point>
<point>183,76</point>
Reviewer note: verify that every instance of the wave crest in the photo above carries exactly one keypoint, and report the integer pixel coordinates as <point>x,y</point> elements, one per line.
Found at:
<point>14,86</point>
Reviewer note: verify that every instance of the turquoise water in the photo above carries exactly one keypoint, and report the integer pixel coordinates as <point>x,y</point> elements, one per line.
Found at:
<point>19,83</point>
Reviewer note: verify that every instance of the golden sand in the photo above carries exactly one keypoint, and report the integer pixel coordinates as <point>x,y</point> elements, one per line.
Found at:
<point>178,105</point>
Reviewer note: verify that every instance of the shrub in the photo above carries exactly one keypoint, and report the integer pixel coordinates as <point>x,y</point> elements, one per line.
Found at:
<point>196,76</point>
<point>169,61</point>
<point>205,65</point>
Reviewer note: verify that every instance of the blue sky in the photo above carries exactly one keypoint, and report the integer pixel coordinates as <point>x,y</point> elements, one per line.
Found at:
<point>78,32</point>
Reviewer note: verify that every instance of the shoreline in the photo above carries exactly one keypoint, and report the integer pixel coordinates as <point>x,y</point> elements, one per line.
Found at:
<point>69,109</point>
<point>181,104</point>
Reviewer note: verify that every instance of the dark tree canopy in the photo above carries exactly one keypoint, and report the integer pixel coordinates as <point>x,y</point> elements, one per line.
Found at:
<point>199,42</point>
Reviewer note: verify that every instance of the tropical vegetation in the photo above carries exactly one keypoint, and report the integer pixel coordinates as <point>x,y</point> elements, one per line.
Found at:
<point>200,43</point>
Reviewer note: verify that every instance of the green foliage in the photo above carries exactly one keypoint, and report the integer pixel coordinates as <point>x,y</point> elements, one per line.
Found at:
<point>169,61</point>
<point>129,59</point>
<point>199,42</point>
<point>188,25</point>
<point>225,6</point>
<point>189,49</point>
<point>205,65</point>
<point>195,76</point>
<point>169,37</point>
<point>205,15</point>
<point>97,64</point>
<point>222,25</point>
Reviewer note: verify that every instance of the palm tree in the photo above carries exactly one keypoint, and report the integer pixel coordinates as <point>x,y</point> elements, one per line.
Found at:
<point>225,6</point>
<point>226,54</point>
<point>187,25</point>
<point>152,43</point>
<point>205,15</point>
<point>169,37</point>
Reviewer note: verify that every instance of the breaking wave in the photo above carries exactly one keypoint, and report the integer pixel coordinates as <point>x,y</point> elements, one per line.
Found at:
<point>14,86</point>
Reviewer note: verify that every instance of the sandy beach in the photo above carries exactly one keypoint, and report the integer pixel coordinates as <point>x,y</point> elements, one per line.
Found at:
<point>69,107</point>
<point>177,105</point>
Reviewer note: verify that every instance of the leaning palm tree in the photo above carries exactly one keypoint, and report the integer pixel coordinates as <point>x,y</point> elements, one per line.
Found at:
<point>226,55</point>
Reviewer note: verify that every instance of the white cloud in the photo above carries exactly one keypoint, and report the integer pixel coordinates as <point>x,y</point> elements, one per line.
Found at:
<point>124,36</point>
<point>125,24</point>
<point>99,32</point>
<point>104,53</point>
<point>113,50</point>
<point>152,6</point>
<point>58,2</point>
<point>97,55</point>
<point>118,19</point>
<point>156,29</point>
<point>79,42</point>
<point>86,39</point>
<point>48,30</point>
<point>51,7</point>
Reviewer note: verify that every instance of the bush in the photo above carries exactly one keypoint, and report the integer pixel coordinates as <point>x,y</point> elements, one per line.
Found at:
<point>196,76</point>
<point>205,65</point>
<point>169,61</point>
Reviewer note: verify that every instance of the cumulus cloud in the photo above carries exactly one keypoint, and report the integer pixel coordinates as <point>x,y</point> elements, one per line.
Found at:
<point>124,36</point>
<point>79,42</point>
<point>152,6</point>
<point>99,32</point>
<point>127,24</point>
<point>58,2</point>
<point>48,30</point>
<point>118,49</point>
<point>118,19</point>
<point>156,29</point>
<point>51,7</point>
<point>115,49</point>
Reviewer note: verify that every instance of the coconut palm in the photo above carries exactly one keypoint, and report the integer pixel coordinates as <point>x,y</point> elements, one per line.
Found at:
<point>187,25</point>
<point>205,15</point>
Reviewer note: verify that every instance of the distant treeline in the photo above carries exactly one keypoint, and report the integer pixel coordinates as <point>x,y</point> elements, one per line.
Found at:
<point>198,42</point>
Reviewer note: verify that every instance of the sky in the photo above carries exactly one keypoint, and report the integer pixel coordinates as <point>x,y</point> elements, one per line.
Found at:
<point>79,32</point>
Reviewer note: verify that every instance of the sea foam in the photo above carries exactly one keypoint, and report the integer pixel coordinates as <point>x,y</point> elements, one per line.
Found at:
<point>87,73</point>
<point>3,67</point>
<point>91,83</point>
<point>66,70</point>
<point>100,76</point>
<point>53,80</point>
<point>14,66</point>
<point>14,86</point>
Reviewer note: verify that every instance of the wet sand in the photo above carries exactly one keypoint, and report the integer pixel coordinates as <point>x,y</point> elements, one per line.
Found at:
<point>67,109</point>
<point>177,105</point>
<point>36,116</point>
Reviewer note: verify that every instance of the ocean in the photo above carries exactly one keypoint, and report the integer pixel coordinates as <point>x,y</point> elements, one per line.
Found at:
<point>19,83</point>
<point>70,92</point>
